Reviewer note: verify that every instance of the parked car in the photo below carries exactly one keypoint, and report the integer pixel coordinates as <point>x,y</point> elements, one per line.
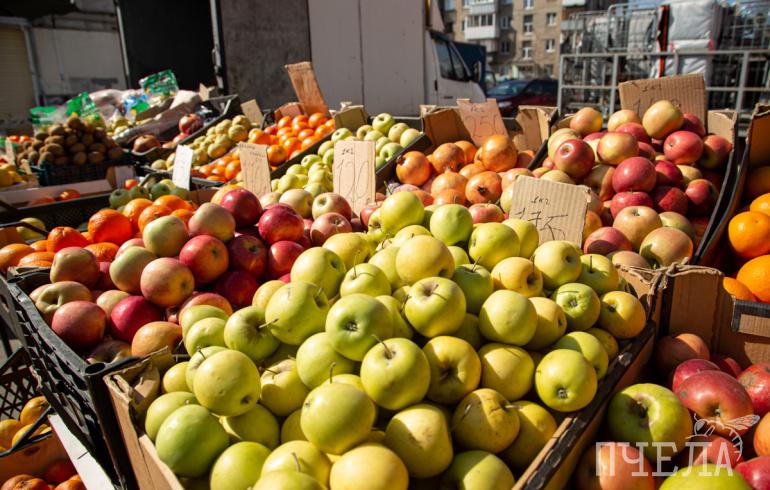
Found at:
<point>513,93</point>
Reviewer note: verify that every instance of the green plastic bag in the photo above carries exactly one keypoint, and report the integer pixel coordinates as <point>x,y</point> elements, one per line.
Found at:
<point>83,106</point>
<point>42,117</point>
<point>159,86</point>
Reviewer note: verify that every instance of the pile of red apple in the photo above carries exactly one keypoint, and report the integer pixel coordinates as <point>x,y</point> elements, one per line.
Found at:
<point>655,179</point>
<point>713,425</point>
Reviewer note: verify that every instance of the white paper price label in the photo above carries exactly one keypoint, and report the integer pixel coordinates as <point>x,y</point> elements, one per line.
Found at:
<point>183,166</point>
<point>354,177</point>
<point>255,168</point>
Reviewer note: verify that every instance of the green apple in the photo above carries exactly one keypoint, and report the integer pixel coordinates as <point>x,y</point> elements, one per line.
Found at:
<point>476,283</point>
<point>527,233</point>
<point>296,169</point>
<point>296,311</point>
<point>371,466</point>
<point>256,425</point>
<point>485,420</point>
<point>159,189</point>
<point>395,374</point>
<point>408,232</point>
<point>408,136</point>
<point>551,323</point>
<point>435,306</point>
<point>189,316</point>
<point>492,242</point>
<point>559,262</point>
<point>291,430</point>
<point>365,279</point>
<point>205,333</point>
<point>283,352</point>
<point>364,130</point>
<point>337,417</point>
<point>401,294</point>
<point>282,389</point>
<point>265,292</point>
<point>401,328</point>
<point>379,162</point>
<point>321,266</point>
<point>400,210</point>
<point>227,383</point>
<point>395,131</point>
<point>599,273</point>
<point>352,248</point>
<point>383,122</point>
<point>310,459</point>
<point>565,381</point>
<point>196,360</point>
<point>649,413</point>
<point>162,407</point>
<point>181,192</point>
<point>385,260</point>
<point>508,317</point>
<point>118,198</point>
<point>355,323</point>
<point>326,145</point>
<point>622,315</point>
<point>455,369</point>
<point>469,331</point>
<point>706,477</point>
<point>174,379</point>
<point>607,340</point>
<point>315,189</point>
<point>421,257</point>
<point>373,136</point>
<point>478,470</point>
<point>341,134</point>
<point>289,181</point>
<point>239,466</point>
<point>126,270</point>
<point>518,274</point>
<point>190,440</point>
<point>419,435</point>
<point>317,360</point>
<point>288,479</point>
<point>451,223</point>
<point>390,151</point>
<point>139,191</point>
<point>308,160</point>
<point>536,426</point>
<point>580,303</point>
<point>507,369</point>
<point>328,157</point>
<point>459,255</point>
<point>428,214</point>
<point>590,347</point>
<point>247,332</point>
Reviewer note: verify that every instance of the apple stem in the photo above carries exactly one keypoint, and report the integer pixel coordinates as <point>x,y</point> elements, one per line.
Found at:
<point>331,371</point>
<point>512,405</point>
<point>266,324</point>
<point>388,352</point>
<point>462,417</point>
<point>475,263</point>
<point>355,272</point>
<point>268,370</point>
<point>296,461</point>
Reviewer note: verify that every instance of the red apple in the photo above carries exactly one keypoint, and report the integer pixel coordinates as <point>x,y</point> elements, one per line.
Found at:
<point>702,196</point>
<point>670,219</point>
<point>613,466</point>
<point>331,202</point>
<point>109,351</point>
<point>727,364</point>
<point>539,172</point>
<point>594,136</point>
<point>715,178</point>
<point>575,158</point>
<point>486,213</point>
<point>606,240</point>
<point>694,124</point>
<point>248,254</point>
<point>212,219</point>
<point>712,449</point>
<point>548,164</point>
<point>672,350</point>
<point>717,397</point>
<point>666,173</point>
<point>304,242</point>
<point>689,173</point>
<point>762,436</point>
<point>624,199</point>
<point>285,278</point>
<point>279,222</point>
<point>326,225</point>
<point>716,149</point>
<point>615,147</point>
<point>104,282</point>
<point>599,180</point>
<point>356,225</point>
<point>243,205</point>
<point>634,174</point>
<point>636,130</point>
<point>661,119</point>
<point>620,117</point>
<point>80,324</point>
<point>689,368</point>
<point>636,222</point>
<point>212,299</point>
<point>237,287</point>
<point>606,213</point>
<point>587,120</point>
<point>667,198</point>
<point>206,257</point>
<point>133,242</point>
<point>647,151</point>
<point>281,257</point>
<point>366,213</point>
<point>130,314</point>
<point>756,380</point>
<point>756,472</point>
<point>683,147</point>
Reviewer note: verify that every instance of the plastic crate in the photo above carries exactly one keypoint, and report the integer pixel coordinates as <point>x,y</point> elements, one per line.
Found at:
<point>74,388</point>
<point>73,212</point>
<point>49,174</point>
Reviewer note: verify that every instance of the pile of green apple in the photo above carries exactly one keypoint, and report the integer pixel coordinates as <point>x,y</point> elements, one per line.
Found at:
<point>427,348</point>
<point>151,188</point>
<point>390,139</point>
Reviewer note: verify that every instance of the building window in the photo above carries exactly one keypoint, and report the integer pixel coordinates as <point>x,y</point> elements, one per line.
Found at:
<point>549,70</point>
<point>505,46</point>
<point>550,45</point>
<point>480,20</point>
<point>550,18</point>
<point>529,4</point>
<point>465,3</point>
<point>449,27</point>
<point>464,24</point>
<point>505,22</point>
<point>528,24</point>
<point>506,2</point>
<point>526,50</point>
<point>449,5</point>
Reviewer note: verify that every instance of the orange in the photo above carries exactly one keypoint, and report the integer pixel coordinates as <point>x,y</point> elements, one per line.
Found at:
<point>749,234</point>
<point>291,144</point>
<point>109,225</point>
<point>270,130</point>
<point>172,202</point>
<point>284,122</point>
<point>316,119</point>
<point>755,275</point>
<point>305,133</point>
<point>103,251</point>
<point>259,137</point>
<point>737,289</point>
<point>38,263</point>
<point>64,236</point>
<point>321,131</point>
<point>134,208</point>
<point>307,143</point>
<point>40,246</point>
<point>758,182</point>
<point>151,213</point>
<point>10,255</point>
<point>298,126</point>
<point>232,170</point>
<point>33,409</point>
<point>8,428</point>
<point>276,154</point>
<point>183,214</point>
<point>761,204</point>
<point>36,257</point>
<point>68,194</point>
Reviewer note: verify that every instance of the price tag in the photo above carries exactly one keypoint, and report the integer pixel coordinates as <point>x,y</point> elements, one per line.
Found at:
<point>182,166</point>
<point>482,120</point>
<point>10,154</point>
<point>557,210</point>
<point>251,110</point>
<point>122,174</point>
<point>255,168</point>
<point>354,172</point>
<point>306,87</point>
<point>204,92</point>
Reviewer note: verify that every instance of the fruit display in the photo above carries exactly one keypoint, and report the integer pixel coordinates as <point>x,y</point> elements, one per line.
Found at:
<point>10,176</point>
<point>59,475</point>
<point>150,189</point>
<point>12,430</point>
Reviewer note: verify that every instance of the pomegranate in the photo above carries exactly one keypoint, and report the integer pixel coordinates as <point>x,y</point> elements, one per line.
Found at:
<point>484,187</point>
<point>498,153</point>
<point>448,156</point>
<point>448,180</point>
<point>413,168</point>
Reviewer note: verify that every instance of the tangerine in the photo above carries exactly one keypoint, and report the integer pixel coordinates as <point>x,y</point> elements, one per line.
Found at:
<point>755,275</point>
<point>749,234</point>
<point>172,202</point>
<point>761,204</point>
<point>103,251</point>
<point>737,289</point>
<point>63,237</point>
<point>111,226</point>
<point>134,208</point>
<point>151,213</point>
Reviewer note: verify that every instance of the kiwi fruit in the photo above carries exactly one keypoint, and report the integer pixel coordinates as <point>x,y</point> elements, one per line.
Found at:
<point>77,148</point>
<point>110,143</point>
<point>97,147</point>
<point>33,157</point>
<point>70,139</point>
<point>75,122</point>
<point>87,139</point>
<point>55,140</point>
<point>41,136</point>
<point>88,128</point>
<point>100,134</point>
<point>26,145</point>
<point>95,157</point>
<point>63,160</point>
<point>79,158</point>
<point>36,145</point>
<point>114,153</point>
<point>56,149</point>
<point>47,157</point>
<point>56,130</point>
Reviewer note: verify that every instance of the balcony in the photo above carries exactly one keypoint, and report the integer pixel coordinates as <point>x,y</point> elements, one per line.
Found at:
<point>482,7</point>
<point>483,32</point>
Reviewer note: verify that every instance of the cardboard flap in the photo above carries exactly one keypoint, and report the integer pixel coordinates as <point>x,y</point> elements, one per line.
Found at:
<point>688,92</point>
<point>535,122</point>
<point>252,110</point>
<point>290,109</point>
<point>444,126</point>
<point>351,117</point>
<point>722,123</point>
<point>306,87</point>
<point>751,319</point>
<point>756,140</point>
<point>481,119</point>
<point>645,283</point>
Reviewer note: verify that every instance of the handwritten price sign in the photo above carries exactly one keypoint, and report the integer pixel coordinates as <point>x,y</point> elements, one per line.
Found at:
<point>252,111</point>
<point>255,168</point>
<point>182,166</point>
<point>482,120</point>
<point>354,172</point>
<point>557,210</point>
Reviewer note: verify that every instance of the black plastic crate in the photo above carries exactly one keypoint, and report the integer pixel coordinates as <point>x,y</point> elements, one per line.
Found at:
<point>74,388</point>
<point>50,174</point>
<point>72,212</point>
